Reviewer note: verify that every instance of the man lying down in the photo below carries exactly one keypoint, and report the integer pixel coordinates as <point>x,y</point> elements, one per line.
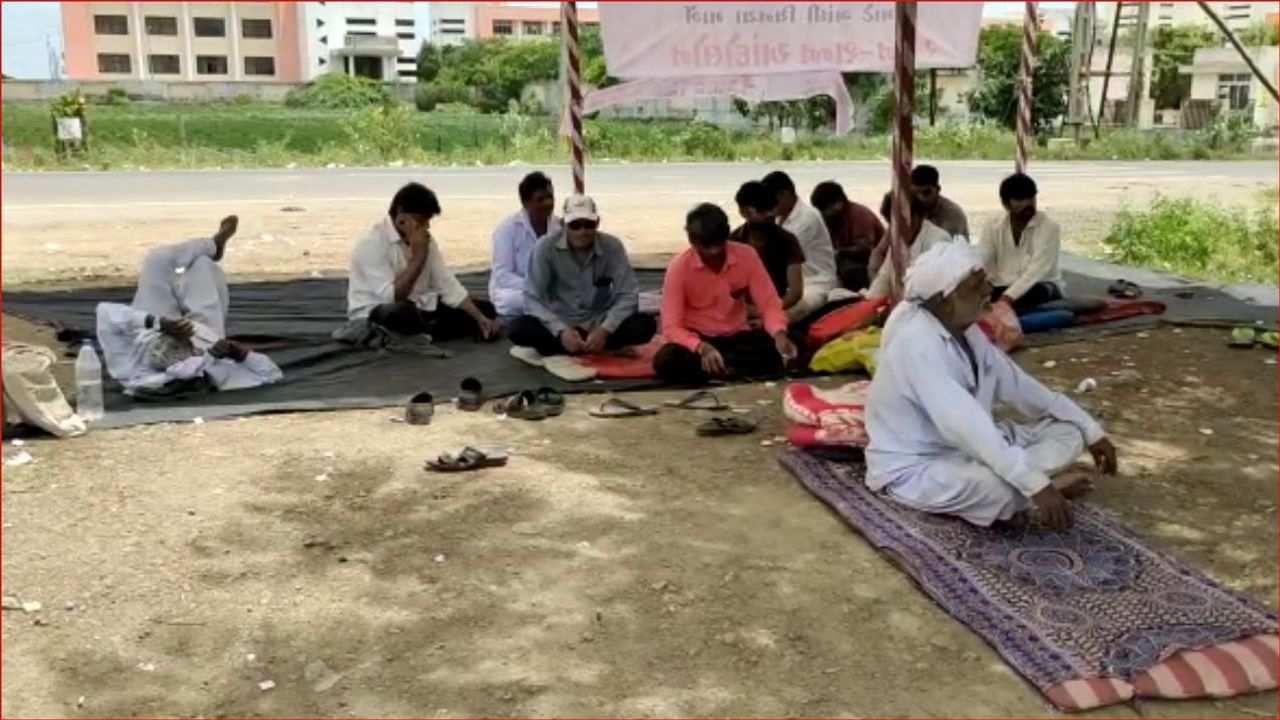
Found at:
<point>934,444</point>
<point>173,335</point>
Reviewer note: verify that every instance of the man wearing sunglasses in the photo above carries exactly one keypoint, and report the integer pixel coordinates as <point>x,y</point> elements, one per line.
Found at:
<point>581,294</point>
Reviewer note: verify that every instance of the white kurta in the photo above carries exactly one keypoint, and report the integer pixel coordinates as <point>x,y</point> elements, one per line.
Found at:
<point>381,255</point>
<point>928,236</point>
<point>934,443</point>
<point>1033,259</point>
<point>819,269</point>
<point>176,281</point>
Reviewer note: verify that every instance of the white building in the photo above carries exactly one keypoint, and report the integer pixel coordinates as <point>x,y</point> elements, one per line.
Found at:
<point>1221,74</point>
<point>1236,15</point>
<point>377,40</point>
<point>452,22</point>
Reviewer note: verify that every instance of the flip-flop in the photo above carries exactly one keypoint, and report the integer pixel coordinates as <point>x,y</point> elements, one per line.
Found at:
<point>471,395</point>
<point>619,408</point>
<point>523,405</point>
<point>1269,340</point>
<point>469,459</point>
<point>420,409</point>
<point>551,400</point>
<point>1124,289</point>
<point>1243,337</point>
<point>720,426</point>
<point>700,400</point>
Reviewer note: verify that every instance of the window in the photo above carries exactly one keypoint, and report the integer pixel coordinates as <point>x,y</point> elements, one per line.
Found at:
<point>1234,90</point>
<point>111,24</point>
<point>401,22</point>
<point>255,28</point>
<point>361,21</point>
<point>405,35</point>
<point>502,27</point>
<point>163,65</point>
<point>159,25</point>
<point>532,28</point>
<point>405,60</point>
<point>114,64</point>
<point>259,66</point>
<point>210,27</point>
<point>361,33</point>
<point>211,64</point>
<point>555,28</point>
<point>408,73</point>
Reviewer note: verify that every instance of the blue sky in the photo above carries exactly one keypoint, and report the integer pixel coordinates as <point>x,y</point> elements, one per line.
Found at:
<point>29,26</point>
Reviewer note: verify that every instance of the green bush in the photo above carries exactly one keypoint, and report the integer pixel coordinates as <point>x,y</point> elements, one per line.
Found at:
<point>429,96</point>
<point>706,141</point>
<point>385,132</point>
<point>338,91</point>
<point>116,96</point>
<point>1195,238</point>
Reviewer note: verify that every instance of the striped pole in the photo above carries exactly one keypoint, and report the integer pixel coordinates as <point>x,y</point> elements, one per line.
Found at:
<point>1025,131</point>
<point>904,66</point>
<point>573,80</point>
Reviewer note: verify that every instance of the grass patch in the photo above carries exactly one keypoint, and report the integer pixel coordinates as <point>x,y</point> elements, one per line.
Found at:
<point>260,135</point>
<point>1199,239</point>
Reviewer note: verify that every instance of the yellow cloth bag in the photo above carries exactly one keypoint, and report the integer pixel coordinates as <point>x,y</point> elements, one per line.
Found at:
<point>858,349</point>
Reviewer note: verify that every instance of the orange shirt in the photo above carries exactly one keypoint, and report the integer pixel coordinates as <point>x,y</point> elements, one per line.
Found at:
<point>698,302</point>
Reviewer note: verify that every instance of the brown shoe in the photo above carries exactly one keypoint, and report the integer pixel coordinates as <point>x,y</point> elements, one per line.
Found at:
<point>420,409</point>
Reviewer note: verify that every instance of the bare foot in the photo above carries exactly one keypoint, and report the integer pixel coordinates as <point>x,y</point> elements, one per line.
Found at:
<point>226,229</point>
<point>1074,482</point>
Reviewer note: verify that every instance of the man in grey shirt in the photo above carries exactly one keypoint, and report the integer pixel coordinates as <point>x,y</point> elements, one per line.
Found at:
<point>938,210</point>
<point>581,293</point>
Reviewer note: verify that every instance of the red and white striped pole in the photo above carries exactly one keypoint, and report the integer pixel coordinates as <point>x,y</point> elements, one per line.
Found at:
<point>1025,131</point>
<point>904,74</point>
<point>573,89</point>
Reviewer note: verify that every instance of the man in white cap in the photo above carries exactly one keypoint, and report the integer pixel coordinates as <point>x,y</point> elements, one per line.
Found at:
<point>175,328</point>
<point>935,445</point>
<point>581,294</point>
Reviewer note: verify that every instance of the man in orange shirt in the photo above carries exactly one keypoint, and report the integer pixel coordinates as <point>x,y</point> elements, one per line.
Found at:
<point>704,309</point>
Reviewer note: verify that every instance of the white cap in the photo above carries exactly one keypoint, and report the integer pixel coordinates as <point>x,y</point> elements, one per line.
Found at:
<point>580,207</point>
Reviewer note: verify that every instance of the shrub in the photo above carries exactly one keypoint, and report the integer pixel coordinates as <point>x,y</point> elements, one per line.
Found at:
<point>386,132</point>
<point>116,96</point>
<point>1192,237</point>
<point>338,91</point>
<point>429,96</point>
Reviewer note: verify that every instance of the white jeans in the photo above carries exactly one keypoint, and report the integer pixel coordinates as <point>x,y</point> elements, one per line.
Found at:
<point>182,280</point>
<point>964,487</point>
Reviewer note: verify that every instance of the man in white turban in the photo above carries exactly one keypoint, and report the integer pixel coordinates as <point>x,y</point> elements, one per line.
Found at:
<point>934,444</point>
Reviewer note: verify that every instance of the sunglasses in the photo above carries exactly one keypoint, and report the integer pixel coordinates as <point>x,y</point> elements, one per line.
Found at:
<point>583,225</point>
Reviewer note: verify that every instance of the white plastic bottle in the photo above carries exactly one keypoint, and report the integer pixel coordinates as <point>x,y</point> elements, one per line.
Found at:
<point>89,403</point>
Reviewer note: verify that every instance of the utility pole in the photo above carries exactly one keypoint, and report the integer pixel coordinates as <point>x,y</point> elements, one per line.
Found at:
<point>1082,31</point>
<point>1136,64</point>
<point>1106,74</point>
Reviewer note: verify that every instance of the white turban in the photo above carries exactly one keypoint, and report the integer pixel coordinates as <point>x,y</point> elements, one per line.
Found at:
<point>939,270</point>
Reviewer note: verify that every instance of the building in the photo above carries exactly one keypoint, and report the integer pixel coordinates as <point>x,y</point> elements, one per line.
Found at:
<point>1220,74</point>
<point>452,23</point>
<point>194,42</point>
<point>376,40</point>
<point>1236,15</point>
<point>520,23</point>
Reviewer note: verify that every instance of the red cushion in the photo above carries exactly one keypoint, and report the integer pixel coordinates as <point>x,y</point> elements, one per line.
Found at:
<point>619,367</point>
<point>842,320</point>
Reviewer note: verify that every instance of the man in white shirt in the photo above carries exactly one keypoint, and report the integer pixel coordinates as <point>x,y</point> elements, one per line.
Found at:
<point>401,283</point>
<point>806,223</point>
<point>513,243</point>
<point>935,445</point>
<point>175,328</point>
<point>1020,250</point>
<point>923,236</point>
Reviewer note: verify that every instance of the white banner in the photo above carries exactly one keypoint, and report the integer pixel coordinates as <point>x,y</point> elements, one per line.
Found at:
<point>660,39</point>
<point>792,86</point>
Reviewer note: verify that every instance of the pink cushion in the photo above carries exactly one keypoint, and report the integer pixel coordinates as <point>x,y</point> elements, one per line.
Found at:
<point>845,406</point>
<point>806,436</point>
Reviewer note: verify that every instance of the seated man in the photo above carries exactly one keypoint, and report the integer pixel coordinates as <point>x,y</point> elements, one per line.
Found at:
<point>582,293</point>
<point>924,235</point>
<point>779,250</point>
<point>704,309</point>
<point>513,243</point>
<point>855,232</point>
<point>938,210</point>
<point>400,282</point>
<point>806,224</point>
<point>1020,249</point>
<point>175,328</point>
<point>934,443</point>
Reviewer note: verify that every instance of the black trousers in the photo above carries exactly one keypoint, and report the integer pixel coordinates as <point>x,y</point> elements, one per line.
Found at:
<point>528,331</point>
<point>443,323</point>
<point>748,354</point>
<point>852,269</point>
<point>1034,297</point>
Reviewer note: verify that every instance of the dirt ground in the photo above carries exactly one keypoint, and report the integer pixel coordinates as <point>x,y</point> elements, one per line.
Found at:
<point>613,568</point>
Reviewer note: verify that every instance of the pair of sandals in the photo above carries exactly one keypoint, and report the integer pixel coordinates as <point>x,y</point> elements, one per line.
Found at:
<point>470,458</point>
<point>533,405</point>
<point>616,407</point>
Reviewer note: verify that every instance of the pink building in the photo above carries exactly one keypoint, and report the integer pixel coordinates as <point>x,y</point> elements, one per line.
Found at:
<point>186,41</point>
<point>501,20</point>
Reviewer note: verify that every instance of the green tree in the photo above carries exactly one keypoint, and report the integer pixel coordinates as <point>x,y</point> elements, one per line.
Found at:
<point>1170,47</point>
<point>430,60</point>
<point>492,72</point>
<point>999,57</point>
<point>1261,33</point>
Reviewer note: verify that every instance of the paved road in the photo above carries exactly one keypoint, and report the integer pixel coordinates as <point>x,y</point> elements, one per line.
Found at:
<point>71,191</point>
